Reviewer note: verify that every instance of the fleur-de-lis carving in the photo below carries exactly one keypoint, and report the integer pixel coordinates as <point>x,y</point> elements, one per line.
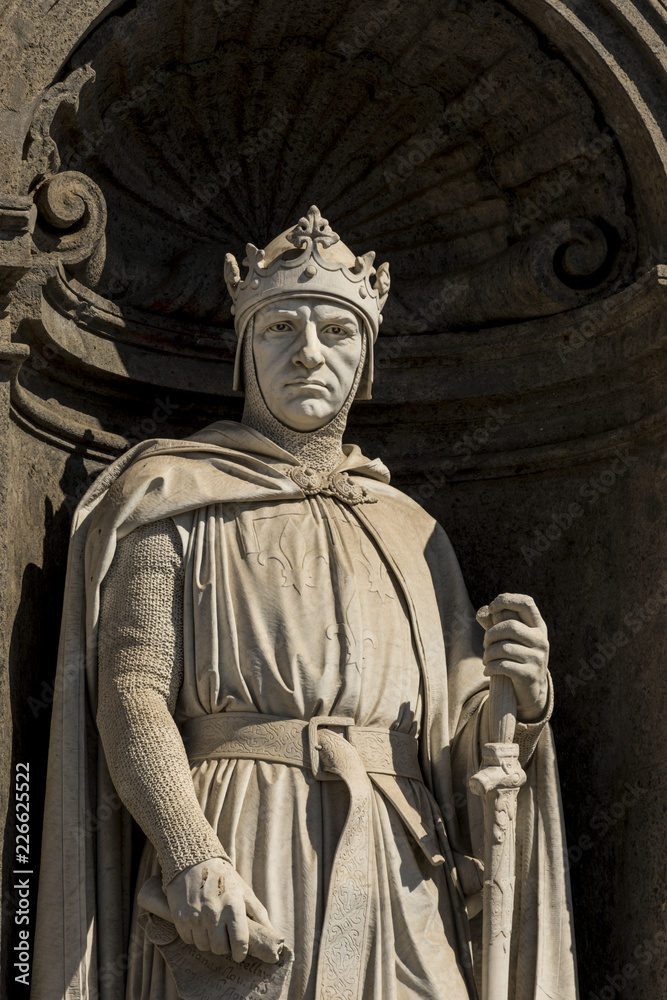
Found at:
<point>295,559</point>
<point>353,643</point>
<point>312,229</point>
<point>379,581</point>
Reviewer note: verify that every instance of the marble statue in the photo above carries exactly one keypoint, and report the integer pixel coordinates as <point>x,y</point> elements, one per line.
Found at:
<point>268,655</point>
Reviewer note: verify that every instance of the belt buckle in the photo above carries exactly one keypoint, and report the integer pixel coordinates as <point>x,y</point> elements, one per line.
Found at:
<point>314,747</point>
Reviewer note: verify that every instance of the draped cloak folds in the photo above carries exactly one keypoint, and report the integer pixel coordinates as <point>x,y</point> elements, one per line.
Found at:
<point>85,892</point>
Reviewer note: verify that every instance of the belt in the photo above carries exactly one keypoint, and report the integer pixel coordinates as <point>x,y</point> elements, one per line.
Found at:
<point>312,745</point>
<point>250,736</point>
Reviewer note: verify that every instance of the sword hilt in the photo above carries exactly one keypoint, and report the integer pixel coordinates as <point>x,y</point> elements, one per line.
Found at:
<point>502,709</point>
<point>502,700</point>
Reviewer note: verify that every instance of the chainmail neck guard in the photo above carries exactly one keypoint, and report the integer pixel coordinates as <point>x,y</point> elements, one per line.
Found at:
<point>322,449</point>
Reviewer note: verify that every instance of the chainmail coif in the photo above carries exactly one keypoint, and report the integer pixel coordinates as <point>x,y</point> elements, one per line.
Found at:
<point>321,449</point>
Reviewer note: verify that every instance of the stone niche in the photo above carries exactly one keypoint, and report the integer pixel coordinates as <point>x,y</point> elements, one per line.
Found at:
<point>508,160</point>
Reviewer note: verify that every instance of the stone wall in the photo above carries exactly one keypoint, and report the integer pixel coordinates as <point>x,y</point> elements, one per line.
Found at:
<point>508,160</point>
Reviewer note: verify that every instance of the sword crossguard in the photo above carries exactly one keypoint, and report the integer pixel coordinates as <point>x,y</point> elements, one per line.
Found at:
<point>500,769</point>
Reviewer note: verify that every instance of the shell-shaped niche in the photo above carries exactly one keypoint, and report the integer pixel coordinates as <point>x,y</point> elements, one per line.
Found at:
<point>442,136</point>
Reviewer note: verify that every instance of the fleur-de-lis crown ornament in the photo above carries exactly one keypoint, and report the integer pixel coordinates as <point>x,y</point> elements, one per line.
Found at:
<point>308,260</point>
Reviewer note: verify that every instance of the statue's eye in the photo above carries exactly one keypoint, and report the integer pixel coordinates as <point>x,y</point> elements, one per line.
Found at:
<point>281,327</point>
<point>336,330</point>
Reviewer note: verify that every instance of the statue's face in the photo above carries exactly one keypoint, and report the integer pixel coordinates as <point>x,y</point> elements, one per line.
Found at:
<point>307,353</point>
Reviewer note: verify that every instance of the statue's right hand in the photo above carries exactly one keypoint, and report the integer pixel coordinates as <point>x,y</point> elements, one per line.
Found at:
<point>210,905</point>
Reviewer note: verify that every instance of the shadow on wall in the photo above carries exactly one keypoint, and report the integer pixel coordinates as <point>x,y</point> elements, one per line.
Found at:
<point>32,665</point>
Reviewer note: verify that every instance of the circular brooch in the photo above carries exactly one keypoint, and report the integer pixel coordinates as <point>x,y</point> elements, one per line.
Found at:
<point>308,480</point>
<point>337,485</point>
<point>345,489</point>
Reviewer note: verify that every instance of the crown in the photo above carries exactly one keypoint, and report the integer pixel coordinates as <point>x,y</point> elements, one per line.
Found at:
<point>307,260</point>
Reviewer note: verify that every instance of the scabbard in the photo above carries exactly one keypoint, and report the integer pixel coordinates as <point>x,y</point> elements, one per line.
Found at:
<point>498,781</point>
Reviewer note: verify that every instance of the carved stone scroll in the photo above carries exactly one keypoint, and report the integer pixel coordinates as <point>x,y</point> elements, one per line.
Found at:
<point>72,221</point>
<point>564,265</point>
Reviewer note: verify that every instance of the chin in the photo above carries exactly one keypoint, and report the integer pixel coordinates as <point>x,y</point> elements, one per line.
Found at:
<point>305,419</point>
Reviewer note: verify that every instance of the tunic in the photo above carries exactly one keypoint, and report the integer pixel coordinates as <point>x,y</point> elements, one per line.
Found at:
<point>310,621</point>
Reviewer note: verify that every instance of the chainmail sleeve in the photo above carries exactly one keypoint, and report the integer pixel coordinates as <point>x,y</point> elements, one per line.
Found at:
<point>140,675</point>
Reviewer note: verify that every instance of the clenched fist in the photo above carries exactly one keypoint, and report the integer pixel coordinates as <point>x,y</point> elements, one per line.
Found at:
<point>210,905</point>
<point>516,644</point>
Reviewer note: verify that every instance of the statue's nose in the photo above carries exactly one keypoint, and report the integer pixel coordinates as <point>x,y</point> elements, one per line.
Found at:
<point>310,352</point>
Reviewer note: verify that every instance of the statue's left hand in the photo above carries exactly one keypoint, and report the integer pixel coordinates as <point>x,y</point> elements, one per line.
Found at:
<point>516,644</point>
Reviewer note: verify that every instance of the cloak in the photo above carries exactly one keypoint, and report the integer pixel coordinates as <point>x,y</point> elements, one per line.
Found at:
<point>85,891</point>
